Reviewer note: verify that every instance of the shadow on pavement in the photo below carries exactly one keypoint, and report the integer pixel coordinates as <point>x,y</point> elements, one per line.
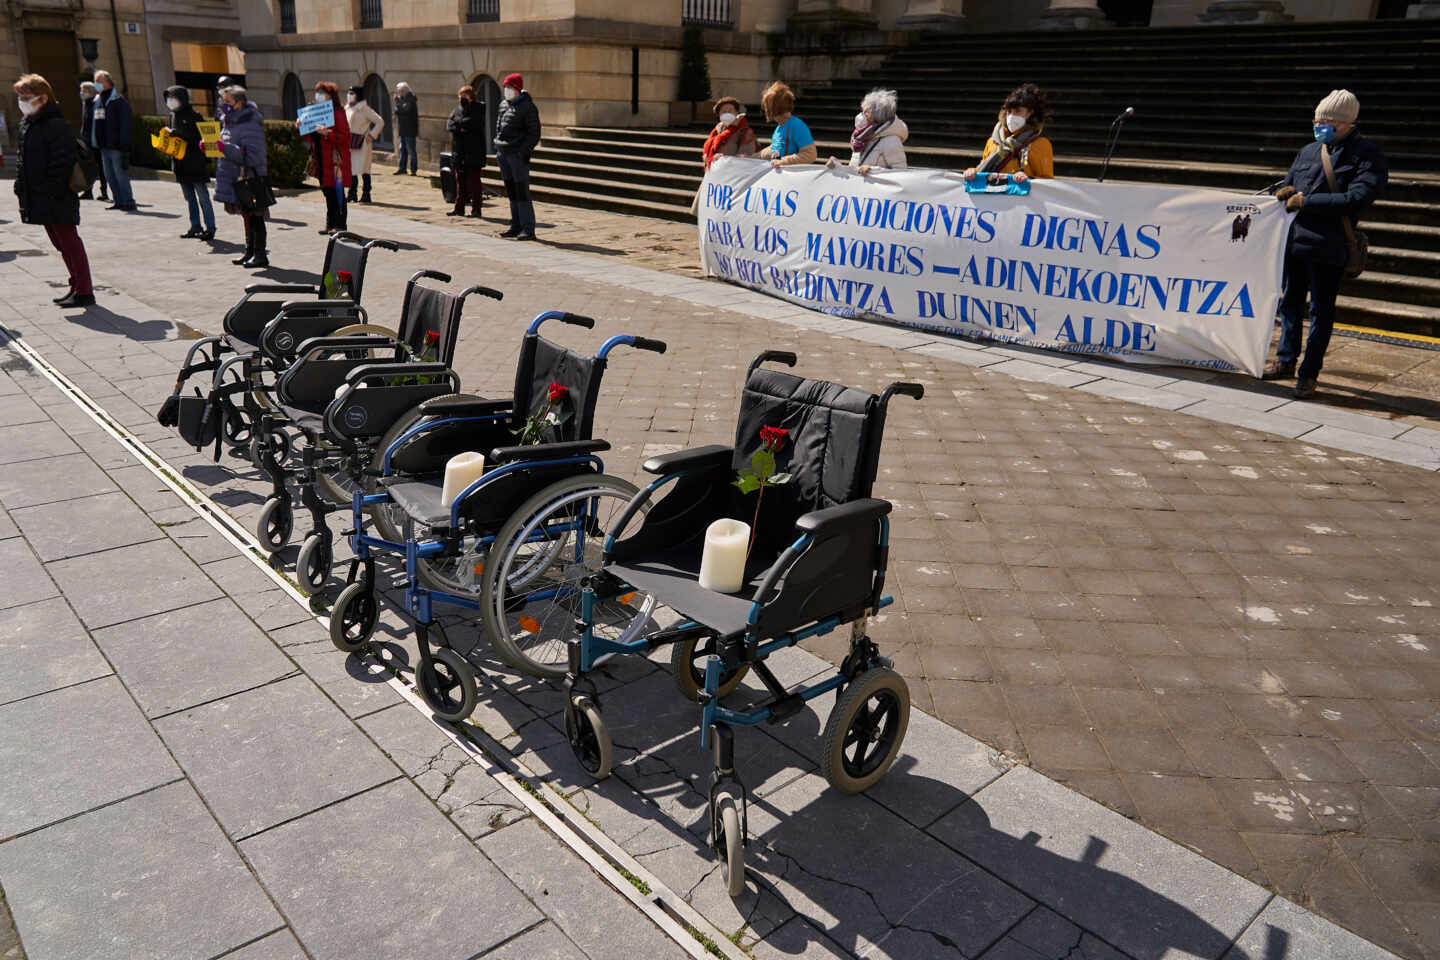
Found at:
<point>582,247</point>
<point>104,320</point>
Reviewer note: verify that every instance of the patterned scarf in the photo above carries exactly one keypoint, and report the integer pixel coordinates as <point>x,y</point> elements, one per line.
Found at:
<point>719,136</point>
<point>864,130</point>
<point>1016,146</point>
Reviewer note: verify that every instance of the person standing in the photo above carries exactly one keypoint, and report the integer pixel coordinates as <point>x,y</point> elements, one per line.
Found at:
<point>792,142</point>
<point>112,136</point>
<point>1331,183</point>
<point>467,149</point>
<point>879,136</point>
<point>191,170</point>
<point>1016,145</point>
<point>407,127</point>
<point>43,163</point>
<point>330,158</point>
<point>732,135</point>
<point>517,133</point>
<point>365,128</point>
<point>88,93</point>
<point>242,155</point>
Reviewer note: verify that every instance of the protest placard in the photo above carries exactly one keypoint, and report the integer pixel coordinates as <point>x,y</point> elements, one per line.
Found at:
<point>315,116</point>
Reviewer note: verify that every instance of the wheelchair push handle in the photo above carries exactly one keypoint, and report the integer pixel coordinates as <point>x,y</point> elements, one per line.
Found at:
<point>383,244</point>
<point>646,343</point>
<point>786,357</point>
<point>563,316</point>
<point>484,291</point>
<point>915,390</point>
<point>626,340</point>
<point>431,274</point>
<point>578,320</point>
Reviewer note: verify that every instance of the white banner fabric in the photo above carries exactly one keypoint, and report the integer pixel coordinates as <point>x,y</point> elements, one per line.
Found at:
<point>1148,274</point>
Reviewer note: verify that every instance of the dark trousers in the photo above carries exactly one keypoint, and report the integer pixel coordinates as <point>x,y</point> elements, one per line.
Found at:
<point>100,167</point>
<point>407,150</point>
<point>67,240</point>
<point>254,232</point>
<point>1321,281</point>
<point>334,207</point>
<point>468,189</point>
<point>515,171</point>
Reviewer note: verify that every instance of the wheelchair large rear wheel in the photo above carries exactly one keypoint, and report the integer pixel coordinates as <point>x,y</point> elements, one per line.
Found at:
<point>530,597</point>
<point>864,732</point>
<point>687,663</point>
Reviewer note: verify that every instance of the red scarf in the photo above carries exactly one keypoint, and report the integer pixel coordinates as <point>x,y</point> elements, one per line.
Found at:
<point>717,139</point>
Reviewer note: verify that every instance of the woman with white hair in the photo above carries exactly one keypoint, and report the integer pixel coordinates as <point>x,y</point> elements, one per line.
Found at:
<point>878,140</point>
<point>407,127</point>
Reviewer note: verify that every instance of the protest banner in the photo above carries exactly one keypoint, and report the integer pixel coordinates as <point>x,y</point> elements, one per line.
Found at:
<point>210,137</point>
<point>315,116</point>
<point>1148,274</point>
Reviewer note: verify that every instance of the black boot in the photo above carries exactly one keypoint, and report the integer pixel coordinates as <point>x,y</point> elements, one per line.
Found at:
<point>244,259</point>
<point>365,193</point>
<point>258,261</point>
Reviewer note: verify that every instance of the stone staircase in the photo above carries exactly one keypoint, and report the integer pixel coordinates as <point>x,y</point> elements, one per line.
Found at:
<point>1215,107</point>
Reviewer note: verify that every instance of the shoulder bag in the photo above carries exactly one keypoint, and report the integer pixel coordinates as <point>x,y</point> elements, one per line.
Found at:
<point>253,193</point>
<point>1358,245</point>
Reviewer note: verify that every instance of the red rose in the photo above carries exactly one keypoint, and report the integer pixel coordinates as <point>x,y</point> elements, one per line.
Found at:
<point>558,392</point>
<point>344,275</point>
<point>772,437</point>
<point>431,338</point>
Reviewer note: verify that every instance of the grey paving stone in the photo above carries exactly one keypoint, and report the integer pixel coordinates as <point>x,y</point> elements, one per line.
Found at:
<point>383,875</point>
<point>1138,374</point>
<point>960,351</point>
<point>545,942</point>
<point>799,939</point>
<point>280,945</point>
<point>67,751</point>
<point>146,489</point>
<point>1134,888</point>
<point>1286,930</point>
<point>31,482</point>
<point>131,582</point>
<point>73,528</point>
<point>25,579</point>
<point>1260,399</point>
<point>355,685</point>
<point>1137,393</point>
<point>1318,413</point>
<point>1249,416</point>
<point>16,410</point>
<point>44,647</point>
<point>568,891</point>
<point>184,657</point>
<point>7,526</point>
<point>24,442</point>
<point>271,754</point>
<point>1415,454</point>
<point>858,871</point>
<point>135,896</point>
<point>938,767</point>
<point>1029,369</point>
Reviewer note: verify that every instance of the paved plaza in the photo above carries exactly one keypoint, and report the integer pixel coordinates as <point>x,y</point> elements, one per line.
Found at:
<point>1173,636</point>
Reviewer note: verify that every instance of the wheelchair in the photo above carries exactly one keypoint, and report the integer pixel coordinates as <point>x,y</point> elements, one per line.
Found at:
<point>261,333</point>
<point>538,440</point>
<point>342,394</point>
<point>817,563</point>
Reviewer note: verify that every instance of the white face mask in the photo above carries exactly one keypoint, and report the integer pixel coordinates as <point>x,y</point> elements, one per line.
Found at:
<point>1014,121</point>
<point>509,93</point>
<point>727,118</point>
<point>321,98</point>
<point>350,98</point>
<point>173,104</point>
<point>27,106</point>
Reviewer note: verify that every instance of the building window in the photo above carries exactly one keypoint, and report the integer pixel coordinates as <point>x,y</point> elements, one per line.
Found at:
<point>708,13</point>
<point>292,96</point>
<point>378,96</point>
<point>482,11</point>
<point>287,16</point>
<point>370,16</point>
<point>487,94</point>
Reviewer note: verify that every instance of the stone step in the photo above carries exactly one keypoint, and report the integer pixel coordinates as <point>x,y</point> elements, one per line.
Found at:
<point>1420,291</point>
<point>1409,262</point>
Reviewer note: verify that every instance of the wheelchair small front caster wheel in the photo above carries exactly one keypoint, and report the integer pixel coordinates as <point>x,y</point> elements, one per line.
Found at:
<point>353,618</point>
<point>446,684</point>
<point>687,663</point>
<point>312,568</point>
<point>237,427</point>
<point>276,524</point>
<point>729,843</point>
<point>589,738</point>
<point>863,735</point>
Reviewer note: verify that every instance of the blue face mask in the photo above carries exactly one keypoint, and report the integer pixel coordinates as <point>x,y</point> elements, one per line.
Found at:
<point>1324,132</point>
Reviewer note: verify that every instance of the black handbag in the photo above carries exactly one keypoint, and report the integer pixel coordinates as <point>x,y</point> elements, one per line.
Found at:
<point>253,194</point>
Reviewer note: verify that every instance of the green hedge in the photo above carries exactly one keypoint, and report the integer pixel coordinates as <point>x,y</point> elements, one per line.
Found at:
<point>285,150</point>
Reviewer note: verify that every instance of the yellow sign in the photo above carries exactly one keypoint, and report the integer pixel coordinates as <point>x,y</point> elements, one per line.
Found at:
<point>210,137</point>
<point>168,144</point>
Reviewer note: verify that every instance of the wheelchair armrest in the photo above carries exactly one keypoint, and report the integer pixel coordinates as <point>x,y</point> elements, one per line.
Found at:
<point>465,406</point>
<point>316,346</point>
<point>398,368</point>
<point>548,451</point>
<point>699,458</point>
<point>822,522</point>
<point>311,289</point>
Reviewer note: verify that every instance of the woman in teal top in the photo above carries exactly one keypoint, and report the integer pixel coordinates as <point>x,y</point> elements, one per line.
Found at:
<point>792,141</point>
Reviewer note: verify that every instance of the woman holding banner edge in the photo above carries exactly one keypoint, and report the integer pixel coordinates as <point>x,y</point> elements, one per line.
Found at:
<point>792,142</point>
<point>1016,145</point>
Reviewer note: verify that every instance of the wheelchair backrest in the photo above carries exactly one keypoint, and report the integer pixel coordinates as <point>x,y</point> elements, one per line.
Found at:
<point>832,446</point>
<point>345,251</point>
<point>430,314</point>
<point>543,363</point>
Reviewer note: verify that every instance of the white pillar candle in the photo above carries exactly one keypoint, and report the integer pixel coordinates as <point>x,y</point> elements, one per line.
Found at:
<point>722,565</point>
<point>461,470</point>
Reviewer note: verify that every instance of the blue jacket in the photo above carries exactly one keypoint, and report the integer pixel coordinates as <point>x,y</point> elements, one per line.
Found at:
<point>113,132</point>
<point>242,141</point>
<point>1360,173</point>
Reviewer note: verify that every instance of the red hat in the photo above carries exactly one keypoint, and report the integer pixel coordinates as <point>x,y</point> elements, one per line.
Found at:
<point>514,80</point>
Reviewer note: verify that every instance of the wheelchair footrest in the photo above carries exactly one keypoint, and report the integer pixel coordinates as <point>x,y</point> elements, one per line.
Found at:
<point>786,707</point>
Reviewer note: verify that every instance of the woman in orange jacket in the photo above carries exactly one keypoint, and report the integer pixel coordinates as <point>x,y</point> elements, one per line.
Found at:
<point>1016,145</point>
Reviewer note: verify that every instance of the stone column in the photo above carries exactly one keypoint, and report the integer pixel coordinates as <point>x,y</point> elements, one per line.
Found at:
<point>1245,11</point>
<point>1071,15</point>
<point>940,15</point>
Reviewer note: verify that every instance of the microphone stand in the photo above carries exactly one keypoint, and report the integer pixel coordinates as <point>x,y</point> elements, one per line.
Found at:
<point>1115,127</point>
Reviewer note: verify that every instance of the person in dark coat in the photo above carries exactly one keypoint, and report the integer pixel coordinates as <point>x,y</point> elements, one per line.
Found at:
<point>190,170</point>
<point>517,133</point>
<point>242,149</point>
<point>330,158</point>
<point>407,127</point>
<point>88,93</point>
<point>467,146</point>
<point>1318,247</point>
<point>112,135</point>
<point>43,163</point>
